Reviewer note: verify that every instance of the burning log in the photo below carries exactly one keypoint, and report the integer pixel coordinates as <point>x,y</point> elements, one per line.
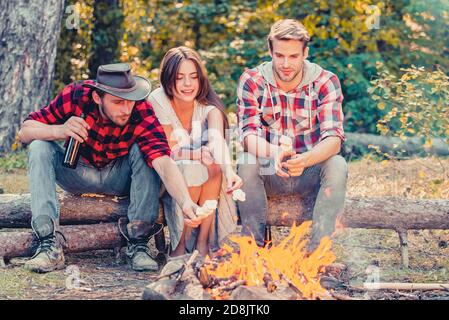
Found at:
<point>269,283</point>
<point>79,239</point>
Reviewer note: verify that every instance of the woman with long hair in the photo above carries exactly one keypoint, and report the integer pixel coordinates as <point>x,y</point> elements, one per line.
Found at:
<point>194,122</point>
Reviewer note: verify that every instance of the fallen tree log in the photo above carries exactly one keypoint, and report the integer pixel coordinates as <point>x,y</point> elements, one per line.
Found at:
<point>358,144</point>
<point>376,213</point>
<point>79,239</point>
<point>373,213</point>
<point>15,209</point>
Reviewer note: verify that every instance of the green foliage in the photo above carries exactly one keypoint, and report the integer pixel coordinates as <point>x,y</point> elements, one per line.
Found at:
<point>74,46</point>
<point>231,36</point>
<point>14,160</point>
<point>107,33</point>
<point>415,102</point>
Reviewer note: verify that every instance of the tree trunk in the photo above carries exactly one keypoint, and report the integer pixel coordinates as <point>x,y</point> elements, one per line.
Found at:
<point>371,213</point>
<point>29,32</point>
<point>15,210</point>
<point>357,144</point>
<point>79,239</point>
<point>376,213</point>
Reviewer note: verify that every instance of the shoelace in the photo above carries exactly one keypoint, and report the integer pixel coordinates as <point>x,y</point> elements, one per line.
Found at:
<point>46,244</point>
<point>140,247</point>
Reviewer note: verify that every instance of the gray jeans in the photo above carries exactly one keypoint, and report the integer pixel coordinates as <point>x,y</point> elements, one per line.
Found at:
<point>128,175</point>
<point>326,182</point>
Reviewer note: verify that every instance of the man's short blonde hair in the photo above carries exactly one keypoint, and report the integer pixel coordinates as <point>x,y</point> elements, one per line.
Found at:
<point>288,29</point>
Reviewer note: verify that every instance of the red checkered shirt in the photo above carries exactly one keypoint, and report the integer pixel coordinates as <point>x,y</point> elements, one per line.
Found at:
<point>106,140</point>
<point>307,114</point>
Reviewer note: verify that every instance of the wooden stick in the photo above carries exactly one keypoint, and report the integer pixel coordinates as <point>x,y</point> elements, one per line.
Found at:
<point>204,277</point>
<point>290,284</point>
<point>405,286</point>
<point>231,286</point>
<point>341,296</point>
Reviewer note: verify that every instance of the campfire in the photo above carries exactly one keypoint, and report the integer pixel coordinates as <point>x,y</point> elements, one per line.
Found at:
<point>270,270</point>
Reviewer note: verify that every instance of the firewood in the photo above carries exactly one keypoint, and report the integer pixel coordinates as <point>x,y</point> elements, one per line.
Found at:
<point>340,296</point>
<point>230,286</point>
<point>290,284</point>
<point>204,277</point>
<point>269,283</point>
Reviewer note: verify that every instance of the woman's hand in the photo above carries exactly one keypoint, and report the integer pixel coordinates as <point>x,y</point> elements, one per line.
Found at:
<point>206,156</point>
<point>190,219</point>
<point>234,182</point>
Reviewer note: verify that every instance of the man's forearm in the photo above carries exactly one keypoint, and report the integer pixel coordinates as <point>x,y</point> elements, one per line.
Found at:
<point>260,147</point>
<point>323,151</point>
<point>35,130</point>
<point>172,179</point>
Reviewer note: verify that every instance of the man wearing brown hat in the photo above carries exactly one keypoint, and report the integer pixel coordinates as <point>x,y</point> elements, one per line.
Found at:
<point>124,151</point>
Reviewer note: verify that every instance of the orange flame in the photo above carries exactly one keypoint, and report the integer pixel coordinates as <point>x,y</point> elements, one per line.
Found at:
<point>289,259</point>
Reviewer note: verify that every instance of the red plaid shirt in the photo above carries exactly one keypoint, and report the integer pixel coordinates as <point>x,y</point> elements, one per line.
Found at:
<point>307,114</point>
<point>106,140</point>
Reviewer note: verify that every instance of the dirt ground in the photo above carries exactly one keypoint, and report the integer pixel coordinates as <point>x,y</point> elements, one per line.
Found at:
<point>103,276</point>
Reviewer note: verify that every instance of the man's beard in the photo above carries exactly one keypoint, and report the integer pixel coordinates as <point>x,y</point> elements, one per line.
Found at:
<point>290,77</point>
<point>105,114</point>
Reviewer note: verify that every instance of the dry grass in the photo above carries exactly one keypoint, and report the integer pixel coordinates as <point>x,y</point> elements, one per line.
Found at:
<point>424,178</point>
<point>15,181</point>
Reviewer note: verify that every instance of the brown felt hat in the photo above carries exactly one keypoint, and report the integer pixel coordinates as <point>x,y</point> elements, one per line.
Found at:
<point>117,79</point>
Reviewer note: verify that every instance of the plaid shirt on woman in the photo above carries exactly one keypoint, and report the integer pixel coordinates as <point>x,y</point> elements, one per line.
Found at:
<point>307,114</point>
<point>106,141</point>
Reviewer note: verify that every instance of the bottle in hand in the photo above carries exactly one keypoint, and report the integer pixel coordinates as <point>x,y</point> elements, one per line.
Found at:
<point>72,152</point>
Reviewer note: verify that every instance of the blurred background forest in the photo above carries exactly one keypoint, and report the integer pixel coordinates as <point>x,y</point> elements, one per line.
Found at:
<point>361,41</point>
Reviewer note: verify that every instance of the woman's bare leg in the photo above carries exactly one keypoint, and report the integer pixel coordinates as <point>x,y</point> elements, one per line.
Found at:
<point>195,193</point>
<point>210,190</point>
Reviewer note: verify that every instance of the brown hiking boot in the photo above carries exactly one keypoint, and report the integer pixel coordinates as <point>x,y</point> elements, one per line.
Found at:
<point>49,255</point>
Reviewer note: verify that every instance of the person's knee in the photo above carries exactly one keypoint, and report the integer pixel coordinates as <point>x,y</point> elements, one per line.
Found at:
<point>335,169</point>
<point>134,151</point>
<point>39,149</point>
<point>214,171</point>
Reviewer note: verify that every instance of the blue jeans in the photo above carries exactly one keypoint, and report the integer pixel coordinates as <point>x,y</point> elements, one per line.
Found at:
<point>128,175</point>
<point>326,182</point>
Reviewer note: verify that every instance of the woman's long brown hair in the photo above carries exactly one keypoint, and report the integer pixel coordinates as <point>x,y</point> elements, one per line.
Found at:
<point>169,69</point>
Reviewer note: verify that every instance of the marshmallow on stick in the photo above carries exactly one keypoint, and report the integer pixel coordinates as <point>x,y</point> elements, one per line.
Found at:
<point>286,143</point>
<point>208,208</point>
<point>238,195</point>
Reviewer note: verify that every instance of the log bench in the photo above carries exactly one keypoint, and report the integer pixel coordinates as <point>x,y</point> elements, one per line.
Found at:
<point>90,222</point>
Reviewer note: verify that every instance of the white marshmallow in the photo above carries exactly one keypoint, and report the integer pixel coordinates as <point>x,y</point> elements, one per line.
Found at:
<point>238,195</point>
